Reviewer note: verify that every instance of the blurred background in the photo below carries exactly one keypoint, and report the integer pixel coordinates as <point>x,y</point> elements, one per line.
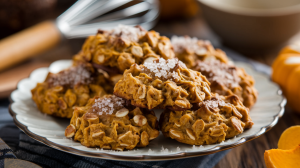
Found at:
<point>257,29</point>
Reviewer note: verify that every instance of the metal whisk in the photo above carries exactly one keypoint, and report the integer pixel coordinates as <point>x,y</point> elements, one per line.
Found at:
<point>82,19</point>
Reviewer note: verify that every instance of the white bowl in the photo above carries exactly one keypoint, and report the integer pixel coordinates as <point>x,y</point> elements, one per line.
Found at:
<point>253,24</point>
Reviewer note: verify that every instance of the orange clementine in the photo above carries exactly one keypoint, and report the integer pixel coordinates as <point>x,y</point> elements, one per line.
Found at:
<point>278,158</point>
<point>292,49</point>
<point>288,51</point>
<point>281,73</point>
<point>290,138</point>
<point>293,89</point>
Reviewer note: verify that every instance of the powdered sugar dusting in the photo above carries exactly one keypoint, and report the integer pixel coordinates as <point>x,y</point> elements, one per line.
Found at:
<point>194,45</point>
<point>216,71</point>
<point>162,68</point>
<point>214,103</point>
<point>128,32</point>
<point>71,76</point>
<point>108,105</point>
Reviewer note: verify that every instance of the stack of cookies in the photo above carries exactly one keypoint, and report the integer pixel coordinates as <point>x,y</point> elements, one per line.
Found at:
<point>121,75</point>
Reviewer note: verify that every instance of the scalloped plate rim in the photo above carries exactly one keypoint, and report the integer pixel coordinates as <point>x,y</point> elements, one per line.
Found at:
<point>180,155</point>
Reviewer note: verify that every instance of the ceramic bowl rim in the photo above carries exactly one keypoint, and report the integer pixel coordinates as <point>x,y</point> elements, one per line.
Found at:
<point>289,10</point>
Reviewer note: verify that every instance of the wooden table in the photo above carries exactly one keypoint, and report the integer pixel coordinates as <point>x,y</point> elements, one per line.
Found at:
<point>247,155</point>
<point>250,154</point>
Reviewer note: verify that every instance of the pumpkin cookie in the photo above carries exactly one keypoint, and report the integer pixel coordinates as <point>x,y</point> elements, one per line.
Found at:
<point>74,86</point>
<point>227,79</point>
<point>212,121</point>
<point>189,50</point>
<point>109,123</point>
<point>117,49</point>
<point>162,84</point>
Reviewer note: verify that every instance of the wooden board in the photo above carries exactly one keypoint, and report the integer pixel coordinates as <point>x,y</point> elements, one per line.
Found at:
<point>10,78</point>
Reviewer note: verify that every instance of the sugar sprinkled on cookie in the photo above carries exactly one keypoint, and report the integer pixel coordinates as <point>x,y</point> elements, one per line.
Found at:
<point>214,103</point>
<point>164,68</point>
<point>191,44</point>
<point>128,32</point>
<point>216,71</point>
<point>72,76</point>
<point>108,105</point>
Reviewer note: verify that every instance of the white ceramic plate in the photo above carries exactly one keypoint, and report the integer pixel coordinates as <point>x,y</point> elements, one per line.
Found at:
<point>50,130</point>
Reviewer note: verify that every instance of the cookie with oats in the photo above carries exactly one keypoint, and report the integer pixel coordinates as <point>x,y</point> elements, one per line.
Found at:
<point>227,79</point>
<point>117,49</point>
<point>162,84</point>
<point>189,50</point>
<point>211,121</point>
<point>74,86</point>
<point>110,123</point>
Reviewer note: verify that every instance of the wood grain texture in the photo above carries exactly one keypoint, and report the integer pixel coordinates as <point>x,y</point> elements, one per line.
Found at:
<point>245,156</point>
<point>10,79</point>
<point>250,154</point>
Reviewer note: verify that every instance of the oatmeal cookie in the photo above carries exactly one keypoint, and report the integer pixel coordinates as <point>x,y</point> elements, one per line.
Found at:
<point>212,121</point>
<point>74,86</point>
<point>119,48</point>
<point>109,123</point>
<point>189,50</point>
<point>162,84</point>
<point>227,79</point>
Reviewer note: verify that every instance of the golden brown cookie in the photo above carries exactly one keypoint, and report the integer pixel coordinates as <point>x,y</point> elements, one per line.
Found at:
<point>227,79</point>
<point>162,84</point>
<point>212,121</point>
<point>117,49</point>
<point>189,50</point>
<point>74,86</point>
<point>109,123</point>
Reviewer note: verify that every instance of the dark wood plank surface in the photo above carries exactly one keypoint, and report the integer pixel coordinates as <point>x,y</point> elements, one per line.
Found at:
<point>247,155</point>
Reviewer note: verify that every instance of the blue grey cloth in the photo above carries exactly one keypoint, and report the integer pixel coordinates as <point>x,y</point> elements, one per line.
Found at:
<point>5,153</point>
<point>44,156</point>
<point>28,149</point>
